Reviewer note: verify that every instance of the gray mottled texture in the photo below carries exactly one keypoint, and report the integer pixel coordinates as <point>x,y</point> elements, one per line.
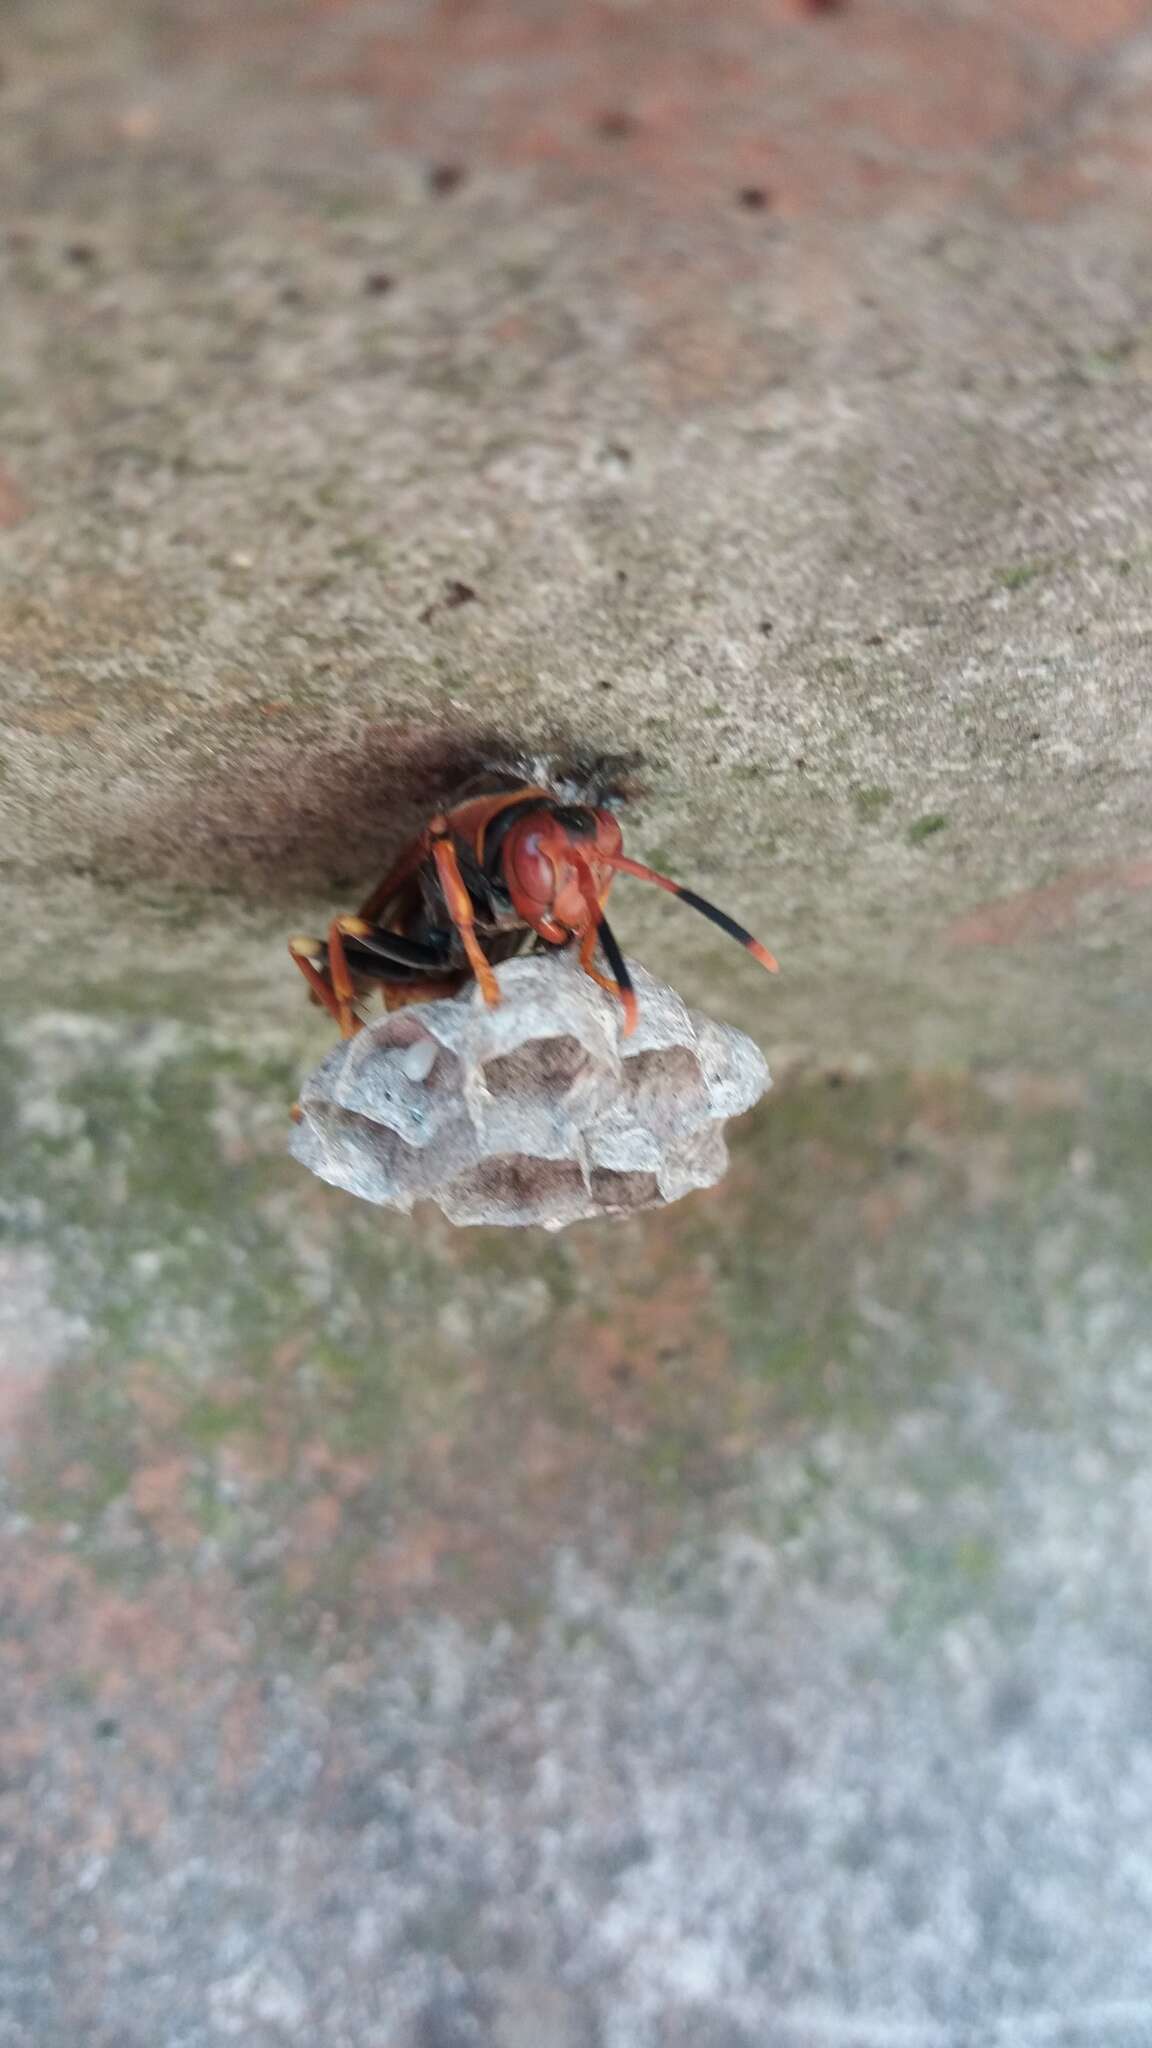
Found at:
<point>728,1628</point>
<point>539,1110</point>
<point>840,523</point>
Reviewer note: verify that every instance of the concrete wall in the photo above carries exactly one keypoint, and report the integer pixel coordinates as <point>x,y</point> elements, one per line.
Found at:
<point>727,1630</point>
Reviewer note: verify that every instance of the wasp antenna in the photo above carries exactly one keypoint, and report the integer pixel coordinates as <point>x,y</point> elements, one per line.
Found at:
<point>624,866</point>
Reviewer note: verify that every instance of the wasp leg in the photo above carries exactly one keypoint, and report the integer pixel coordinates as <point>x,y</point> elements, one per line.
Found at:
<point>332,984</point>
<point>587,961</point>
<point>340,975</point>
<point>622,987</point>
<point>598,928</point>
<point>392,947</point>
<point>306,952</point>
<point>460,909</point>
<point>422,956</point>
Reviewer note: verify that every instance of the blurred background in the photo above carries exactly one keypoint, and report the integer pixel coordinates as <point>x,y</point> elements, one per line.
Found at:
<point>728,1629</point>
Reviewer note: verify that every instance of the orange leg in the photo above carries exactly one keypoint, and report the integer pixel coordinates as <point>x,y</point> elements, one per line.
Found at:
<point>343,986</point>
<point>626,997</point>
<point>596,929</point>
<point>587,950</point>
<point>460,908</point>
<point>304,953</point>
<point>587,956</point>
<point>334,988</point>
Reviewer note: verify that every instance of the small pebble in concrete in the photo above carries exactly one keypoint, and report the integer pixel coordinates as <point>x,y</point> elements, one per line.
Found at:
<point>444,179</point>
<point>616,125</point>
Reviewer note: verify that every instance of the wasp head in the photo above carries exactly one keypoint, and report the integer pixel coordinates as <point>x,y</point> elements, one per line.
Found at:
<point>558,866</point>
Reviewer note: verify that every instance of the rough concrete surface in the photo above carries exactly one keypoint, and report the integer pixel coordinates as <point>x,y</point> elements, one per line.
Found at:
<point>727,1628</point>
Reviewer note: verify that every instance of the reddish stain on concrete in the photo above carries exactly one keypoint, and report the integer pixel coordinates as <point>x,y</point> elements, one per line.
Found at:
<point>1035,913</point>
<point>621,1362</point>
<point>83,1666</point>
<point>708,148</point>
<point>848,110</point>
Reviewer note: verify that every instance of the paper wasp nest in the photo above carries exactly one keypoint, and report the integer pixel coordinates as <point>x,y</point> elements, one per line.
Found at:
<point>537,1111</point>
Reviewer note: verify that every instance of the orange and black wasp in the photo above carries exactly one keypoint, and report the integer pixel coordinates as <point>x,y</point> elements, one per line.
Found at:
<point>486,878</point>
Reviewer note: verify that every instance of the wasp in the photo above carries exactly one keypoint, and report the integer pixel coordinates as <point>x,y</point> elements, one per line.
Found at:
<point>485,879</point>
